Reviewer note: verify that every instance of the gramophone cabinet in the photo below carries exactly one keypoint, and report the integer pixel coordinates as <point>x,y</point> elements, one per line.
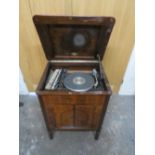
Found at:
<point>64,109</point>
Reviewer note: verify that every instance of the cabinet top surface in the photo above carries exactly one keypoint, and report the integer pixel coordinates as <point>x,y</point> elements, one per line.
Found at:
<point>72,37</point>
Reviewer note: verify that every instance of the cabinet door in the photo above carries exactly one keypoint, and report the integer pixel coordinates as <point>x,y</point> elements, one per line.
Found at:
<point>63,116</point>
<point>83,116</point>
<point>32,58</point>
<point>123,11</point>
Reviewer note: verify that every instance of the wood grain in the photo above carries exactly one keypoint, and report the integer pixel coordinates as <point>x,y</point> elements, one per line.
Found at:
<point>32,59</point>
<point>51,7</point>
<point>57,41</point>
<point>122,39</point>
<point>64,110</point>
<point>84,116</point>
<point>63,115</point>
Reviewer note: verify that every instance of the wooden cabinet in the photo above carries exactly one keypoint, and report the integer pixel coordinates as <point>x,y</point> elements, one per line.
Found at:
<point>83,116</point>
<point>63,108</point>
<point>63,115</point>
<point>72,115</point>
<point>73,112</point>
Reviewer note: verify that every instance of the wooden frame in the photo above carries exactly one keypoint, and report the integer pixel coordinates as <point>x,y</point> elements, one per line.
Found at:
<point>46,101</point>
<point>64,109</point>
<point>105,26</point>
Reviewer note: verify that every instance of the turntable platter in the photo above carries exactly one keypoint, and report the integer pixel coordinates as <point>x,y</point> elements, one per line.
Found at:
<point>79,82</point>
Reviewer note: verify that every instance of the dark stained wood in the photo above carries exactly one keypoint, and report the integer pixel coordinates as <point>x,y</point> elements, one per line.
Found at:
<point>81,66</point>
<point>63,109</point>
<point>64,115</point>
<point>73,20</point>
<point>48,117</point>
<point>73,99</point>
<point>84,116</point>
<point>96,115</point>
<point>57,33</point>
<point>99,125</point>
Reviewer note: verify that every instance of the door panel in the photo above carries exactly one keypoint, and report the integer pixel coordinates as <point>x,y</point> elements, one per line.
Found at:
<point>83,116</point>
<point>74,99</point>
<point>122,38</point>
<point>32,59</point>
<point>51,7</point>
<point>63,115</point>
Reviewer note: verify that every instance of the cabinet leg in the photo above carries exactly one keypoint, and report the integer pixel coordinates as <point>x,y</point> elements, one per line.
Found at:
<point>51,135</point>
<point>97,134</point>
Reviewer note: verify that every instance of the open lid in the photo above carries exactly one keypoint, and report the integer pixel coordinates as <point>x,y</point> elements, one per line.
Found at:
<point>70,37</point>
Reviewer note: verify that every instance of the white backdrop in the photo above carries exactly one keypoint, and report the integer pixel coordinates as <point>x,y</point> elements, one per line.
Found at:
<point>22,86</point>
<point>128,85</point>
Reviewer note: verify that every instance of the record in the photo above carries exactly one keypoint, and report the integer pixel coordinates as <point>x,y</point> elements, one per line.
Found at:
<point>79,82</point>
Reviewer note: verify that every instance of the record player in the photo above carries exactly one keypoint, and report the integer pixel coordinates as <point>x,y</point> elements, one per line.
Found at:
<point>74,91</point>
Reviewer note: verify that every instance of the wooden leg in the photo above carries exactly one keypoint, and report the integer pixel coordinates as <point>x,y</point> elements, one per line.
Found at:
<point>21,104</point>
<point>97,134</point>
<point>51,135</point>
<point>98,130</point>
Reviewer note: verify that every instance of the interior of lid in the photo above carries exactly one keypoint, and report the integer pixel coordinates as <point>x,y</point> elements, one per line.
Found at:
<point>73,37</point>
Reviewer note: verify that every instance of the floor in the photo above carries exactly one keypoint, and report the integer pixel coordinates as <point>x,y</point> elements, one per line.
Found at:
<point>117,136</point>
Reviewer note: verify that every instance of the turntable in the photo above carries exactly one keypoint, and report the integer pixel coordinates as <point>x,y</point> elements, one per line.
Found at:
<point>79,82</point>
<point>74,90</point>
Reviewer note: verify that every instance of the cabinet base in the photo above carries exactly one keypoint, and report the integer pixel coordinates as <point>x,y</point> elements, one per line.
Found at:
<point>51,135</point>
<point>96,136</point>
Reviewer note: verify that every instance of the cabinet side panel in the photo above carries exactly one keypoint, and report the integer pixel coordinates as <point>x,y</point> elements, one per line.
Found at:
<point>100,120</point>
<point>47,113</point>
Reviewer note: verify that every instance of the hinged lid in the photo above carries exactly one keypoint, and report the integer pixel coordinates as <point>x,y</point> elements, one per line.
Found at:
<point>74,37</point>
